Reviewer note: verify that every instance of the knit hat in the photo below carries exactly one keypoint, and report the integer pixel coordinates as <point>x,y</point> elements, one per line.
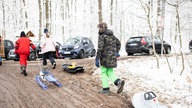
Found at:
<point>22,34</point>
<point>102,25</point>
<point>45,30</point>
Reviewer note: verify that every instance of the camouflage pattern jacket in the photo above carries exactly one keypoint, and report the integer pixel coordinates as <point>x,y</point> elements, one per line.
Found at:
<point>108,47</point>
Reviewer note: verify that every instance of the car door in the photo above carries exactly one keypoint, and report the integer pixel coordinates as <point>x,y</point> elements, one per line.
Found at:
<point>85,45</point>
<point>8,45</point>
<point>157,43</point>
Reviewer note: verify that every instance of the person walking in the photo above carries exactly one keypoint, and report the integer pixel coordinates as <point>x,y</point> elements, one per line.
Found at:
<point>106,58</point>
<point>22,48</point>
<point>48,46</point>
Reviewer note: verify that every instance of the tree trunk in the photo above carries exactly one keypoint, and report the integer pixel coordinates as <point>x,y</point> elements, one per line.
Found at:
<point>111,12</point>
<point>40,19</point>
<point>63,18</point>
<point>100,11</point>
<point>47,10</point>
<point>151,30</point>
<point>3,8</point>
<point>26,16</point>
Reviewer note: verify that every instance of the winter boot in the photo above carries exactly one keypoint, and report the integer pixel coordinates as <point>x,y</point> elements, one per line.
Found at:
<point>105,91</point>
<point>23,69</point>
<point>54,65</point>
<point>120,86</point>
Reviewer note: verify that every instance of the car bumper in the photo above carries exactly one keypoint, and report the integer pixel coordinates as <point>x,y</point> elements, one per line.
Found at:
<point>68,54</point>
<point>13,57</point>
<point>134,50</point>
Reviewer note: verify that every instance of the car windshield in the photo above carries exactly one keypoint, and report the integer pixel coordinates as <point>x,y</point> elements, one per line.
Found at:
<point>73,41</point>
<point>36,43</point>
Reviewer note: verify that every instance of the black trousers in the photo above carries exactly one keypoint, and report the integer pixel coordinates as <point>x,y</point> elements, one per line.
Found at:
<point>48,55</point>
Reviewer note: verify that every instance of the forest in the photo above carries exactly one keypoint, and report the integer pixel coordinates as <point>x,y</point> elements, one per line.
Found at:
<point>171,20</point>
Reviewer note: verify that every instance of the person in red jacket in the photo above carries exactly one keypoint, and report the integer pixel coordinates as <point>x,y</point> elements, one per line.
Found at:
<point>22,48</point>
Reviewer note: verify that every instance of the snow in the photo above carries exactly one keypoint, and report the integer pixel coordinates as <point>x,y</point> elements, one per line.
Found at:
<point>141,75</point>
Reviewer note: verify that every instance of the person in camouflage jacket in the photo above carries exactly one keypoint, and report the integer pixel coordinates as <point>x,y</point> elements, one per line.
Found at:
<point>107,53</point>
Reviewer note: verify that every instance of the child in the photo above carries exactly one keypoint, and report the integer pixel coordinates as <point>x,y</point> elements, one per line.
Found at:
<point>22,48</point>
<point>107,54</point>
<point>48,46</point>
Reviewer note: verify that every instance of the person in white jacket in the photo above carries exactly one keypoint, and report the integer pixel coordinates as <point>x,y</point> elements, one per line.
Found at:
<point>48,46</point>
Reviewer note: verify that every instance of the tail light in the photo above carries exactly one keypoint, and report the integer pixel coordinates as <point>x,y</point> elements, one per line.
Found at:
<point>143,41</point>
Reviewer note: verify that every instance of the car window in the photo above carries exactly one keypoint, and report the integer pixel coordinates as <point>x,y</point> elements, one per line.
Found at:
<point>7,43</point>
<point>72,41</point>
<point>135,39</point>
<point>156,39</point>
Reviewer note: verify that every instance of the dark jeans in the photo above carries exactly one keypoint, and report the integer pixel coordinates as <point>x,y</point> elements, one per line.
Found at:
<point>48,55</point>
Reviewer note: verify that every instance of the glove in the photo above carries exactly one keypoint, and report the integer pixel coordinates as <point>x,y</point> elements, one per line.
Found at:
<point>117,55</point>
<point>97,62</point>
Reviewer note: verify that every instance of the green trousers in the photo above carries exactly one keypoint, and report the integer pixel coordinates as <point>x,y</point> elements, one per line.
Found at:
<point>106,74</point>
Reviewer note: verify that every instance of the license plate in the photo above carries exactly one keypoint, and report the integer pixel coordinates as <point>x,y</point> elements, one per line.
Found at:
<point>67,52</point>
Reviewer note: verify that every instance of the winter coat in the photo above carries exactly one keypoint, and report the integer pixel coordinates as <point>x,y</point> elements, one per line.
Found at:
<point>47,44</point>
<point>108,47</point>
<point>22,46</point>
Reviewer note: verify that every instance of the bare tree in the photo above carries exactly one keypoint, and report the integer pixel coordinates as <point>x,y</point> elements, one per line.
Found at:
<point>111,12</point>
<point>26,16</point>
<point>176,5</point>
<point>147,9</point>
<point>3,8</point>
<point>63,18</point>
<point>47,10</point>
<point>40,18</point>
<point>100,11</point>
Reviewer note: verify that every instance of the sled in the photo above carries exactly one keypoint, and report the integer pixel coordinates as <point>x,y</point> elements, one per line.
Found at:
<point>72,68</point>
<point>146,100</point>
<point>46,76</point>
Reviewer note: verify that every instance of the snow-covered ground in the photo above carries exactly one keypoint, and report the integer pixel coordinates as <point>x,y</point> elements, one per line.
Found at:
<point>141,75</point>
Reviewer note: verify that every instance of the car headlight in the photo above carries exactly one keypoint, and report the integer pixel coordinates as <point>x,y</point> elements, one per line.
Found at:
<point>76,46</point>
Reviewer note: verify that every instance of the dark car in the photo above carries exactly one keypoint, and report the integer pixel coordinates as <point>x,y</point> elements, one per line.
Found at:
<point>79,47</point>
<point>8,45</point>
<point>143,44</point>
<point>33,55</point>
<point>190,46</point>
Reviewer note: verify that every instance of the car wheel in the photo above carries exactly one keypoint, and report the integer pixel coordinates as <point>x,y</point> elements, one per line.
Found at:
<point>32,56</point>
<point>93,53</point>
<point>151,51</point>
<point>168,50</point>
<point>81,54</point>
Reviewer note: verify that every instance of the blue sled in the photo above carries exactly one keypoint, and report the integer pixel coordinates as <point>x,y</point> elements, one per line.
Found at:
<point>48,77</point>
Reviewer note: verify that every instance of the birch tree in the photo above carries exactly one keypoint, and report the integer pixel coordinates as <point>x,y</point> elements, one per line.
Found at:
<point>178,29</point>
<point>3,9</point>
<point>100,11</point>
<point>47,10</point>
<point>40,18</point>
<point>147,10</point>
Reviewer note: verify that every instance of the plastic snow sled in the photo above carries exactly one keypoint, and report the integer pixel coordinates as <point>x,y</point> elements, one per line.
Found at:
<point>146,100</point>
<point>46,76</point>
<point>72,68</point>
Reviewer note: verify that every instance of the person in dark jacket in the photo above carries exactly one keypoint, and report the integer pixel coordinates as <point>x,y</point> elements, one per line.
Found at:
<point>22,48</point>
<point>106,58</point>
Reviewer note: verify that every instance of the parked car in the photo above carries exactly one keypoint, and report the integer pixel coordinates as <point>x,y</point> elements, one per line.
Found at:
<point>143,44</point>
<point>79,47</point>
<point>8,45</point>
<point>33,55</point>
<point>190,46</point>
